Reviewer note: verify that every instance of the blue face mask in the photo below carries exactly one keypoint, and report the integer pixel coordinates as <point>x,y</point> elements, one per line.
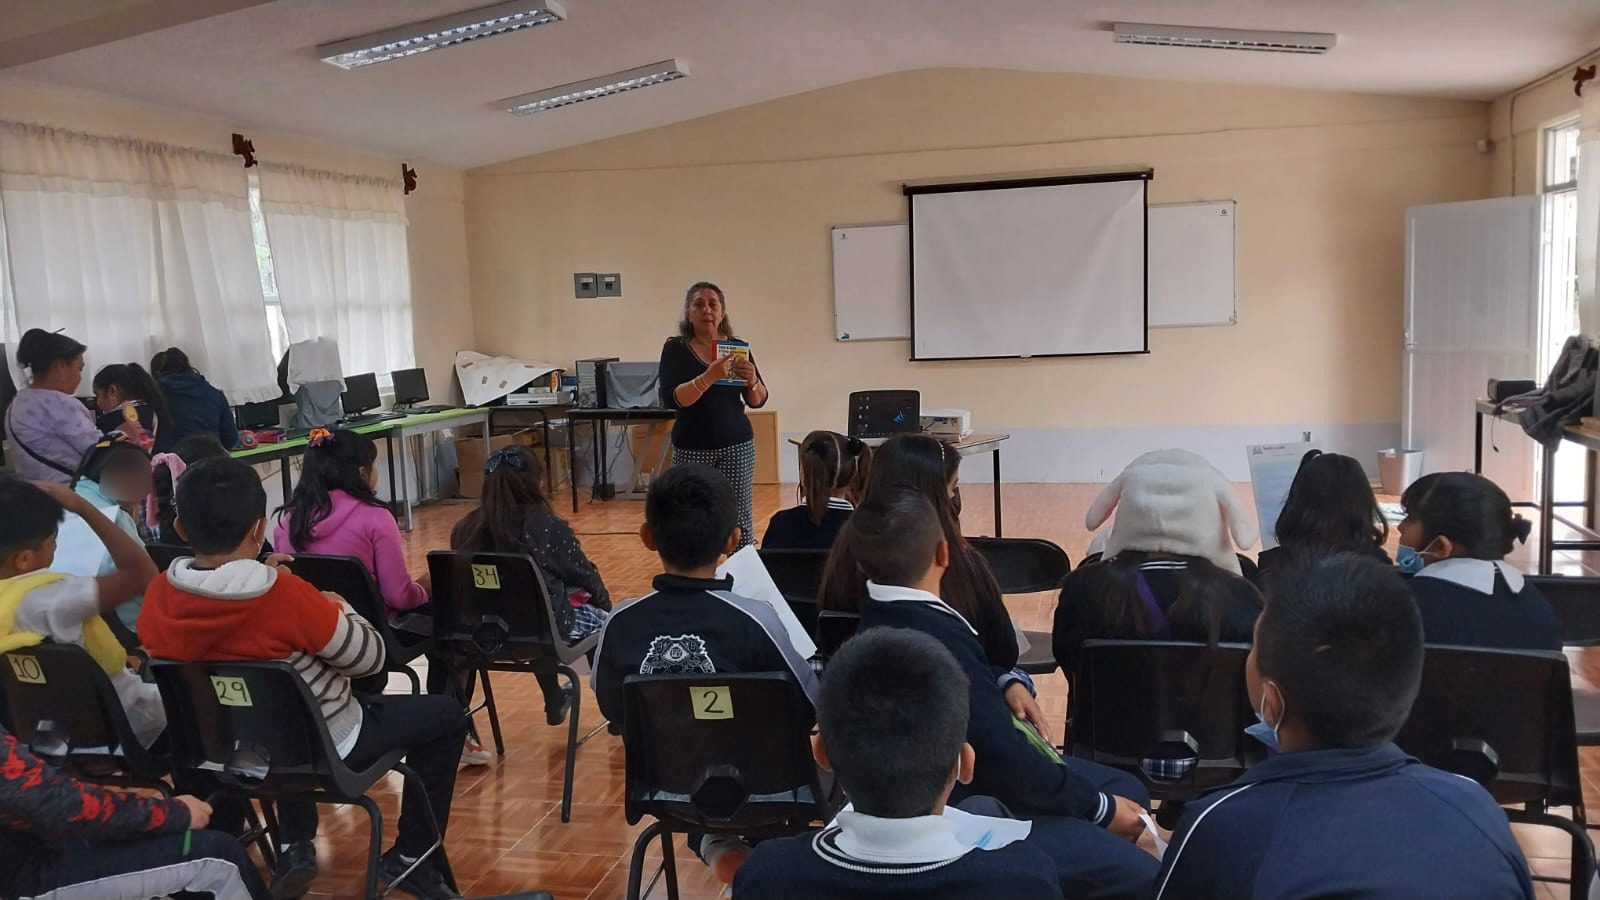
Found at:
<point>1408,560</point>
<point>1266,733</point>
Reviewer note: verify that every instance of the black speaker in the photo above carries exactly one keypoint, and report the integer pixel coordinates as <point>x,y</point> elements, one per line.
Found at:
<point>1502,389</point>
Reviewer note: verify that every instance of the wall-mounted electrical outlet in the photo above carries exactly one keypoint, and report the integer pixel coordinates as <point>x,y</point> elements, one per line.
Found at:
<point>585,284</point>
<point>610,284</point>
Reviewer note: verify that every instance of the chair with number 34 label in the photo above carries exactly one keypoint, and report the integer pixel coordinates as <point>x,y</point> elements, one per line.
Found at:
<point>491,613</point>
<point>256,728</point>
<point>60,704</point>
<point>725,753</point>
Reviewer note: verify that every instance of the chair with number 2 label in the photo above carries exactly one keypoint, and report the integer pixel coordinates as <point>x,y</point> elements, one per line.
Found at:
<point>491,613</point>
<point>726,753</point>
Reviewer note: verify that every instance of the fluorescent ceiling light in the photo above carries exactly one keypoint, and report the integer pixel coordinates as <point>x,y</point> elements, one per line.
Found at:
<point>1224,38</point>
<point>595,88</point>
<point>445,31</point>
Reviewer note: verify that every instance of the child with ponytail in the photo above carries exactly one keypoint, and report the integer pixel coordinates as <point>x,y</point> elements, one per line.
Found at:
<point>830,467</point>
<point>1462,527</point>
<point>126,392</point>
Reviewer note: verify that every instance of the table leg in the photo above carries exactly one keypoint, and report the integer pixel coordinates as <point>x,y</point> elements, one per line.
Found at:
<point>285,477</point>
<point>549,472</point>
<point>1589,481</point>
<point>1477,444</point>
<point>397,504</point>
<point>603,469</point>
<point>999,529</point>
<point>1547,512</point>
<point>572,461</point>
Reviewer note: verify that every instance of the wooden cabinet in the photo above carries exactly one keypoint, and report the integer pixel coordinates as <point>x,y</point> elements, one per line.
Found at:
<point>764,423</point>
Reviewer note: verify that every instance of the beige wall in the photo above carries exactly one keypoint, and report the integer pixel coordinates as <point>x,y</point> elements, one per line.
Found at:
<point>437,241</point>
<point>747,197</point>
<point>1516,121</point>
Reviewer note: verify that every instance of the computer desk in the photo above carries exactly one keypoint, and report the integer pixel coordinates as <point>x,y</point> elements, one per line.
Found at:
<point>544,413</point>
<point>971,445</point>
<point>391,431</point>
<point>598,418</point>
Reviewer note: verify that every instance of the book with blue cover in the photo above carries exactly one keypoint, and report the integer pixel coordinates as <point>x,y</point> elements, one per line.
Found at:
<point>733,348</point>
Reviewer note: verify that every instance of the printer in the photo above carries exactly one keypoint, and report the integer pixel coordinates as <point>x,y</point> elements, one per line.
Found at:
<point>947,424</point>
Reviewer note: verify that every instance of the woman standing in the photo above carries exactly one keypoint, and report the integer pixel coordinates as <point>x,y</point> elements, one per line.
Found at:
<point>711,426</point>
<point>49,428</point>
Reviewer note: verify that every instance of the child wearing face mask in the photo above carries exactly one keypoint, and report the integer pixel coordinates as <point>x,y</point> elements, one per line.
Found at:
<point>1457,530</point>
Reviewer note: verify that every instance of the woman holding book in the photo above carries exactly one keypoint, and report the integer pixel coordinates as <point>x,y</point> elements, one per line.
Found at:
<point>709,377</point>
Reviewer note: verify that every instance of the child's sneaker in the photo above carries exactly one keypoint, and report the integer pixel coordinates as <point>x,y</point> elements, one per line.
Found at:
<point>724,853</point>
<point>475,754</point>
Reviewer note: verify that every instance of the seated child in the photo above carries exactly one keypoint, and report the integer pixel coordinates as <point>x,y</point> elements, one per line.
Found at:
<point>1461,527</point>
<point>82,840</point>
<point>1330,509</point>
<point>828,467</point>
<point>116,473</point>
<point>125,392</point>
<point>226,605</point>
<point>693,621</point>
<point>1340,811</point>
<point>1169,571</point>
<point>892,717</point>
<point>166,469</point>
<point>335,511</point>
<point>36,604</point>
<point>1087,814</point>
<point>515,517</point>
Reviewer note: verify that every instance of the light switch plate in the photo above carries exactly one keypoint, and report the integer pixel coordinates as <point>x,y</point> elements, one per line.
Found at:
<point>610,284</point>
<point>585,284</point>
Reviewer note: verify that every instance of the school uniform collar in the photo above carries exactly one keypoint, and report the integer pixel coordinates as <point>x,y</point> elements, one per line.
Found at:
<point>1314,766</point>
<point>666,582</point>
<point>1474,574</point>
<point>923,839</point>
<point>841,503</point>
<point>894,593</point>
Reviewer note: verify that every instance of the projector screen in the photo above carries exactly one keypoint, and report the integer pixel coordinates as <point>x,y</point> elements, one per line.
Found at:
<point>1028,268</point>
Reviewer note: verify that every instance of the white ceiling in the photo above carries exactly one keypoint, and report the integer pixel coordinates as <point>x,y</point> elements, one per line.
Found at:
<point>257,66</point>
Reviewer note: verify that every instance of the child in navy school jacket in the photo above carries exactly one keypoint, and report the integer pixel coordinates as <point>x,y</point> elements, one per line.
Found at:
<point>1340,811</point>
<point>1458,527</point>
<point>1086,815</point>
<point>693,621</point>
<point>830,464</point>
<point>892,717</point>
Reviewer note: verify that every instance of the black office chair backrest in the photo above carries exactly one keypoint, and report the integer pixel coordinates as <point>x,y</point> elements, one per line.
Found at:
<point>164,554</point>
<point>61,704</point>
<point>720,751</point>
<point>834,627</point>
<point>1576,602</point>
<point>1501,717</point>
<point>256,720</point>
<point>1134,701</point>
<point>491,606</point>
<point>1023,565</point>
<point>348,577</point>
<point>798,575</point>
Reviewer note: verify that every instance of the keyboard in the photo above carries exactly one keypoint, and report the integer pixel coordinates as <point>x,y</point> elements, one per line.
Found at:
<point>424,410</point>
<point>368,419</point>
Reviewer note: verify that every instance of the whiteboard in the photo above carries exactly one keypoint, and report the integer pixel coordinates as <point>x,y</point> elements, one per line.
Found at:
<point>1192,276</point>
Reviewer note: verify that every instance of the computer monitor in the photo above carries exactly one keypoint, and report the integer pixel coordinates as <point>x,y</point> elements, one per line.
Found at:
<point>360,394</point>
<point>256,416</point>
<point>410,386</point>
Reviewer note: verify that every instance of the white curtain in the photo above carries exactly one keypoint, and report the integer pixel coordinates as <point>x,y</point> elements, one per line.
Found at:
<point>339,256</point>
<point>131,247</point>
<point>1589,213</point>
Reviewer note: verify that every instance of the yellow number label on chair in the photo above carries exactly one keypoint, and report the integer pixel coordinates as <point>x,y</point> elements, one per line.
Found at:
<point>26,669</point>
<point>711,702</point>
<point>486,577</point>
<point>231,691</point>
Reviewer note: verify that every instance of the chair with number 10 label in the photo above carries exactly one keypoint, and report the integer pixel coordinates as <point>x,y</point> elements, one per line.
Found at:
<point>491,613</point>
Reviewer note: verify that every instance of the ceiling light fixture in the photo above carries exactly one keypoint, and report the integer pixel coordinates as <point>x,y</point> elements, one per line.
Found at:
<point>1225,38</point>
<point>595,88</point>
<point>444,31</point>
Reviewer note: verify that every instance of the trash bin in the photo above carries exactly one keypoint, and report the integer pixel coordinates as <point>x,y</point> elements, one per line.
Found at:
<point>1397,468</point>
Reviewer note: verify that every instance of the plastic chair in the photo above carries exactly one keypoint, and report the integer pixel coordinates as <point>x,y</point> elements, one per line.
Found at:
<point>834,627</point>
<point>718,753</point>
<point>1027,566</point>
<point>501,622</point>
<point>61,704</point>
<point>1171,713</point>
<point>1504,719</point>
<point>1576,602</point>
<point>255,727</point>
<point>349,578</point>
<point>164,554</point>
<point>798,575</point>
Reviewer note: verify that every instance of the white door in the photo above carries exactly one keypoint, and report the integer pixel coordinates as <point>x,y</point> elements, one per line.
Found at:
<point>1472,313</point>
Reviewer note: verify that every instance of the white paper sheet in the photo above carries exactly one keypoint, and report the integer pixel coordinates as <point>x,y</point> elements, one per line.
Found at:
<point>315,361</point>
<point>1272,470</point>
<point>78,550</point>
<point>1150,826</point>
<point>485,379</point>
<point>751,579</point>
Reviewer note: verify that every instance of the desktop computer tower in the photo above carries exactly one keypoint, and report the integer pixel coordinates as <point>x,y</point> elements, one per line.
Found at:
<point>592,382</point>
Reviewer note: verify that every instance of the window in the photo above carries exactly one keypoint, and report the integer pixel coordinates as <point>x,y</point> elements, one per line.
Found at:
<point>278,328</point>
<point>1558,276</point>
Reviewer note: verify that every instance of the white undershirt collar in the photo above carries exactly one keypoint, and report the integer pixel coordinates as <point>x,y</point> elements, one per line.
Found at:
<point>1474,574</point>
<point>924,839</point>
<point>894,593</point>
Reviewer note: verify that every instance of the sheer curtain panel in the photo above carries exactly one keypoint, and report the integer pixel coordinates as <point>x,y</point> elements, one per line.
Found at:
<point>1589,213</point>
<point>130,247</point>
<point>339,255</point>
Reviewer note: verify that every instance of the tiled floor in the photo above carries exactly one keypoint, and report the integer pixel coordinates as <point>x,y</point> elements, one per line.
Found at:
<point>506,833</point>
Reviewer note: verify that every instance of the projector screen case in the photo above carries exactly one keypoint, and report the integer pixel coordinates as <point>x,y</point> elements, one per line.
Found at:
<point>1019,268</point>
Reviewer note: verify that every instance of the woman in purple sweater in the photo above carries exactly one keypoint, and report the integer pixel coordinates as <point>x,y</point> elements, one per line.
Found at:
<point>50,429</point>
<point>335,511</point>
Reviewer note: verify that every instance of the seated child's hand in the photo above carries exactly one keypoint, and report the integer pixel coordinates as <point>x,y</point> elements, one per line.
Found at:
<point>199,811</point>
<point>1024,707</point>
<point>1128,823</point>
<point>279,561</point>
